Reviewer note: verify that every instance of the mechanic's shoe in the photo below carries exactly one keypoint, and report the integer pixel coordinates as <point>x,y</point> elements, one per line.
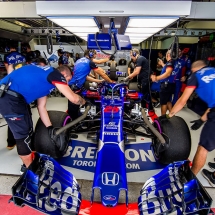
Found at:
<point>34,106</point>
<point>23,169</point>
<point>211,165</point>
<point>11,147</point>
<point>209,176</point>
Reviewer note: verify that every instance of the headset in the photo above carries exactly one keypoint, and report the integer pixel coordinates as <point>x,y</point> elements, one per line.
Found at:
<point>91,53</point>
<point>134,54</point>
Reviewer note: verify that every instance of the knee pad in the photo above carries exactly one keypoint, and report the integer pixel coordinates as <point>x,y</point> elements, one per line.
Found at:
<point>23,147</point>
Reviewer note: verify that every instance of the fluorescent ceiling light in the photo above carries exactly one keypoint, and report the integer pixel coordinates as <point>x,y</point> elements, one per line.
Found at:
<point>151,22</point>
<point>138,35</point>
<point>82,29</point>
<point>135,42</point>
<point>140,39</point>
<point>74,21</point>
<point>142,30</point>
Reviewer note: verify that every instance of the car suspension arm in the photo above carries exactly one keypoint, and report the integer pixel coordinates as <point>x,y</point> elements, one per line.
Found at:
<point>152,128</point>
<point>74,122</point>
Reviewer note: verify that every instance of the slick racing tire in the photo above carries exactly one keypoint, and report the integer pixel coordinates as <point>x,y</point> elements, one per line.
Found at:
<point>177,135</point>
<point>133,86</point>
<point>113,70</point>
<point>42,141</point>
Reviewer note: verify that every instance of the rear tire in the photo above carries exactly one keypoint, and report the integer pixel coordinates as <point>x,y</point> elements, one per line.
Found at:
<point>42,141</point>
<point>178,133</point>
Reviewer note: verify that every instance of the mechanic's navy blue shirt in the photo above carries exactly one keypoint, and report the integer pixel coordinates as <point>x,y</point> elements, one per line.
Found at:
<point>14,58</point>
<point>63,59</point>
<point>33,82</point>
<point>188,66</point>
<point>171,78</point>
<point>81,70</point>
<point>179,66</point>
<point>204,82</point>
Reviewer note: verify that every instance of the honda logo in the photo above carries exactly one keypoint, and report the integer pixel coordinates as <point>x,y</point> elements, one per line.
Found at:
<point>110,178</point>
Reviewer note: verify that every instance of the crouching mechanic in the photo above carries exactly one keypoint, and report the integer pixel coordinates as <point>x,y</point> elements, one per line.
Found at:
<point>203,81</point>
<point>82,69</point>
<point>20,88</point>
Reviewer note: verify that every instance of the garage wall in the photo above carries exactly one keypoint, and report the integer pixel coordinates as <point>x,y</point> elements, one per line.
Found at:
<point>189,40</point>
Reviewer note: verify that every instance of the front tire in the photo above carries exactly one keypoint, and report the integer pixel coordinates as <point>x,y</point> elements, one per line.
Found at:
<point>42,141</point>
<point>176,131</point>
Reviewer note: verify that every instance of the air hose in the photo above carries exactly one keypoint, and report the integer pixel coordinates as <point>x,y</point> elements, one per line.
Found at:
<point>74,122</point>
<point>112,36</point>
<point>152,128</point>
<point>49,44</point>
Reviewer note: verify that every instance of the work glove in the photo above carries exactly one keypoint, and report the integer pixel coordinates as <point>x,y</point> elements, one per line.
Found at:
<point>164,117</point>
<point>197,124</point>
<point>61,140</point>
<point>112,57</point>
<point>87,103</point>
<point>52,131</point>
<point>125,79</point>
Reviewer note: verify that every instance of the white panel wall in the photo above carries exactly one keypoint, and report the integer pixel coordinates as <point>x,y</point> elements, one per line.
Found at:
<point>117,8</point>
<point>18,9</point>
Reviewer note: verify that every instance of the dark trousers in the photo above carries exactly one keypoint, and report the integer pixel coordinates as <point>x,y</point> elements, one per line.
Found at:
<point>10,138</point>
<point>17,115</point>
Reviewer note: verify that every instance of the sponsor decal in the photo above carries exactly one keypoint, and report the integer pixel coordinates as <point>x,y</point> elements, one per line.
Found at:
<point>208,78</point>
<point>109,198</point>
<point>82,155</point>
<point>15,118</point>
<point>112,133</point>
<point>110,178</point>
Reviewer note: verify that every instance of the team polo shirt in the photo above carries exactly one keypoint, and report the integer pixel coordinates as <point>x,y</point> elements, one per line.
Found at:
<point>14,58</point>
<point>204,83</point>
<point>171,78</point>
<point>63,59</point>
<point>82,68</point>
<point>180,68</point>
<point>33,82</point>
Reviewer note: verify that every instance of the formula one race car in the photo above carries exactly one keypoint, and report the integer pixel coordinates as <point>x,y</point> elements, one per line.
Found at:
<point>114,117</point>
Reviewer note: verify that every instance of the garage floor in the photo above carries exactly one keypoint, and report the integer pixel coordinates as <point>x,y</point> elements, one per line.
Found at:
<point>10,162</point>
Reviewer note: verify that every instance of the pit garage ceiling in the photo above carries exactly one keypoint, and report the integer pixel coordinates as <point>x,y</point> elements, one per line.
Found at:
<point>29,14</point>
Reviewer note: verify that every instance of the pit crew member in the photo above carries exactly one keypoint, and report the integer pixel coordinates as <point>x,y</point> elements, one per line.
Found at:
<point>20,88</point>
<point>179,69</point>
<point>203,81</point>
<point>143,72</point>
<point>63,59</point>
<point>82,69</point>
<point>13,60</point>
<point>167,85</point>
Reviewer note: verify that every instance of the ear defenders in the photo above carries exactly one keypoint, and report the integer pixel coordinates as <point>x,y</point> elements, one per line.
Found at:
<point>134,53</point>
<point>91,53</point>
